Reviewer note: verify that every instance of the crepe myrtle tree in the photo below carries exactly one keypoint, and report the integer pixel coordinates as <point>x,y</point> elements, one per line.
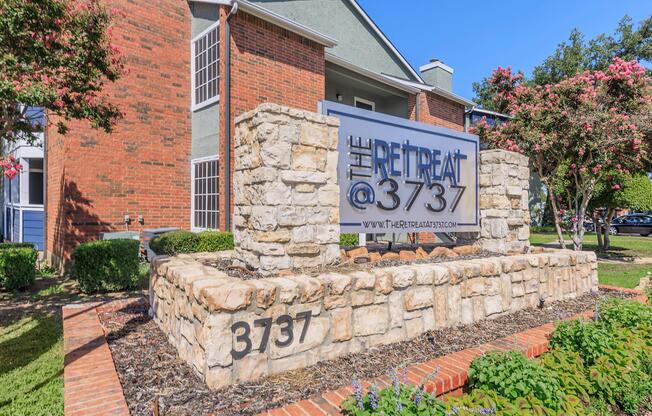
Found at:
<point>56,55</point>
<point>576,132</point>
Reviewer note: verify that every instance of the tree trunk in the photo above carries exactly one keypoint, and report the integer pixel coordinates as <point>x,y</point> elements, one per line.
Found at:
<point>555,216</point>
<point>607,224</point>
<point>598,230</point>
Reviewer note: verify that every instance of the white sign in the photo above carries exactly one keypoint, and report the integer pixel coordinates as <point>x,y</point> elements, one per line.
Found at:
<point>397,175</point>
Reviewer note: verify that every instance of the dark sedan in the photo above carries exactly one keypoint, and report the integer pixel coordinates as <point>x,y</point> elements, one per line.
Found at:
<point>632,224</point>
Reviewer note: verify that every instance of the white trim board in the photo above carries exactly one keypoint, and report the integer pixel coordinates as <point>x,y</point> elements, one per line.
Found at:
<point>212,100</point>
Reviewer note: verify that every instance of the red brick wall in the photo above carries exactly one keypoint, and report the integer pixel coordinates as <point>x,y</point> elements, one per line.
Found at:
<point>437,110</point>
<point>268,65</point>
<point>93,178</point>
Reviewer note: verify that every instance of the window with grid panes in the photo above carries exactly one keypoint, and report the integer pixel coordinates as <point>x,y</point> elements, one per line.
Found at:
<point>205,213</point>
<point>206,68</point>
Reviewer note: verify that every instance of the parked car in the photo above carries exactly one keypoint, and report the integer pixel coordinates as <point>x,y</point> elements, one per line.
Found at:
<point>632,224</point>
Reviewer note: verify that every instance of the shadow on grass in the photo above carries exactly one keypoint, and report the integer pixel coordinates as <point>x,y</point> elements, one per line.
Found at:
<point>18,351</point>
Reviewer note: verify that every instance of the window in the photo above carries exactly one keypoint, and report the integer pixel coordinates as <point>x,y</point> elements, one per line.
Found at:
<point>364,104</point>
<point>36,117</point>
<point>205,191</point>
<point>205,67</point>
<point>35,184</point>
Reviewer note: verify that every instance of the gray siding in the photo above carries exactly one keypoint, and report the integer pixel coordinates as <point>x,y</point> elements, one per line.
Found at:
<point>206,121</point>
<point>350,85</point>
<point>205,131</point>
<point>357,42</point>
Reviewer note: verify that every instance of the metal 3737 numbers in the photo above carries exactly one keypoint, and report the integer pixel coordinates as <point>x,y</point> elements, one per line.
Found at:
<point>243,331</point>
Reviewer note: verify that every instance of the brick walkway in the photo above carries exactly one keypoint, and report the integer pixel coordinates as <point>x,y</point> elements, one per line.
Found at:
<point>91,384</point>
<point>92,387</point>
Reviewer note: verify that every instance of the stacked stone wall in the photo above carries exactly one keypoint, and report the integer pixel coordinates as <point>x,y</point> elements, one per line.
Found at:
<point>290,322</point>
<point>504,185</point>
<point>285,189</point>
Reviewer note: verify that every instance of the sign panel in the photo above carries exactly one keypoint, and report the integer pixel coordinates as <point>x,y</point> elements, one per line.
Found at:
<point>397,175</point>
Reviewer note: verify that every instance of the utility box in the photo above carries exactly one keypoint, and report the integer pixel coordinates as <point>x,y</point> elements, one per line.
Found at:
<point>120,235</point>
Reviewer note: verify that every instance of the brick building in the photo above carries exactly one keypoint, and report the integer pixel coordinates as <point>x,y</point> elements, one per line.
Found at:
<point>193,67</point>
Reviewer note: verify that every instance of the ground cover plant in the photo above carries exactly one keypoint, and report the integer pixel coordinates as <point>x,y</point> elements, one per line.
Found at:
<point>348,240</point>
<point>177,242</point>
<point>594,367</point>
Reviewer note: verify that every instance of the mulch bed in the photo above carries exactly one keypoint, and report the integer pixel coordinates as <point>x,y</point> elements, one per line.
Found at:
<point>151,371</point>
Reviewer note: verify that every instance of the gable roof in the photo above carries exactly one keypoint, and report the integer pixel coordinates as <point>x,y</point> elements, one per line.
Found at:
<point>384,38</point>
<point>360,40</point>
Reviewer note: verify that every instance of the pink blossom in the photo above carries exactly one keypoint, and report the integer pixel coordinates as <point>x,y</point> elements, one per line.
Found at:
<point>615,187</point>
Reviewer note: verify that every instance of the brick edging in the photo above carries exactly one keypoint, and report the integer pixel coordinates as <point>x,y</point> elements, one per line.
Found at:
<point>453,367</point>
<point>91,383</point>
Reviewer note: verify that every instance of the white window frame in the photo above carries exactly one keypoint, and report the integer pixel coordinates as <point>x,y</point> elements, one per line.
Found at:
<point>193,106</point>
<point>25,182</point>
<point>357,100</point>
<point>193,162</point>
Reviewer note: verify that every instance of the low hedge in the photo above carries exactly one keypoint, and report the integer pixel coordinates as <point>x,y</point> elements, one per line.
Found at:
<point>17,266</point>
<point>4,246</point>
<point>177,242</point>
<point>107,265</point>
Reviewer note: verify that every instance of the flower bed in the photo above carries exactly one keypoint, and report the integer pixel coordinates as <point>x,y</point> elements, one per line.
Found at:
<point>592,367</point>
<point>150,369</point>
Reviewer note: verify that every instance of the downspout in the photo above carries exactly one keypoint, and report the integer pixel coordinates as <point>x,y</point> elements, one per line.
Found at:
<point>45,190</point>
<point>417,106</point>
<point>227,111</point>
<point>467,118</point>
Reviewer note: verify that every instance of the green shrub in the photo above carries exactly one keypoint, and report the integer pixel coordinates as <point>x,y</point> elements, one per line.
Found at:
<point>514,376</point>
<point>4,246</point>
<point>17,267</point>
<point>214,241</point>
<point>174,242</point>
<point>624,313</point>
<point>347,240</point>
<point>107,265</point>
<point>587,338</point>
<point>569,370</point>
<point>177,242</point>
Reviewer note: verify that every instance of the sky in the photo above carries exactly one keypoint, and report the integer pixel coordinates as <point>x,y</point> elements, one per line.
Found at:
<point>474,37</point>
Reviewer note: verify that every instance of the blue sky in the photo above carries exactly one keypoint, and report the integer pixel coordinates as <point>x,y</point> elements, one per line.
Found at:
<point>476,36</point>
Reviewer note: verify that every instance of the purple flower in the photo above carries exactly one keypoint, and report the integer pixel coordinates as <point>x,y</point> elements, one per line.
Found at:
<point>404,372</point>
<point>596,313</point>
<point>418,396</point>
<point>357,389</point>
<point>373,397</point>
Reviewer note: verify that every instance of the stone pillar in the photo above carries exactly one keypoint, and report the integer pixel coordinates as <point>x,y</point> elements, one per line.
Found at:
<point>504,192</point>
<point>285,189</point>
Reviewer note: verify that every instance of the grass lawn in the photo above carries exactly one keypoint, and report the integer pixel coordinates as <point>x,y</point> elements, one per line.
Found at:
<point>31,344</point>
<point>621,245</point>
<point>623,274</point>
<point>31,365</point>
